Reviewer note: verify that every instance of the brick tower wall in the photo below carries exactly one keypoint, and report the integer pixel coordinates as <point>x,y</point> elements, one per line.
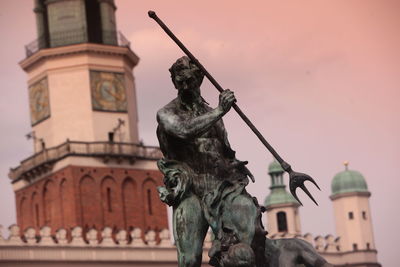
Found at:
<point>93,197</point>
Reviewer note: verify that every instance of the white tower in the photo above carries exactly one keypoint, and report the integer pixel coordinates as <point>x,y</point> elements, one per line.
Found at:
<point>81,85</point>
<point>89,168</point>
<point>350,197</point>
<point>282,208</point>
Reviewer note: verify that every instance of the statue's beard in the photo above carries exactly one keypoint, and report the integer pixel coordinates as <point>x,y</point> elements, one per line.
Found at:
<point>190,96</point>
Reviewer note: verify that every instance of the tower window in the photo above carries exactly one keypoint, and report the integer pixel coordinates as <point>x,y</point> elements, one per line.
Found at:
<point>355,248</point>
<point>368,246</point>
<point>149,202</point>
<point>364,215</point>
<point>351,215</point>
<point>109,199</point>
<point>47,209</point>
<point>44,38</point>
<point>93,21</point>
<point>37,214</point>
<point>282,221</point>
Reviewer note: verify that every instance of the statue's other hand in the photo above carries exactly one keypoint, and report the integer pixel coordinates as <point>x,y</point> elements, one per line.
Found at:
<point>226,100</point>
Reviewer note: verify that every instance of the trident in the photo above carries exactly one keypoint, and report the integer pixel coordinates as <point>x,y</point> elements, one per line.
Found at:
<point>296,179</point>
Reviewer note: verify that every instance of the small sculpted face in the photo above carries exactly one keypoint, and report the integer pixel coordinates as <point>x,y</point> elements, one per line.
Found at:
<point>121,235</point>
<point>30,232</point>
<point>45,231</point>
<point>14,230</point>
<point>62,233</point>
<point>136,232</point>
<point>92,234</point>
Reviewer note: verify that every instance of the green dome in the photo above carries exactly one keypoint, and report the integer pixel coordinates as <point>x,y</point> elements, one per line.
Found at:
<point>275,167</point>
<point>279,196</point>
<point>348,181</point>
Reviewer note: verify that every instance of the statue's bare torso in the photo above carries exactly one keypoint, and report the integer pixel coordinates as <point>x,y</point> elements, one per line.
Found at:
<point>208,153</point>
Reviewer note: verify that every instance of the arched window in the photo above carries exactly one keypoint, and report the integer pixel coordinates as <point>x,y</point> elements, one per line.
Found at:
<point>35,210</point>
<point>282,221</point>
<point>364,215</point>
<point>109,206</point>
<point>149,205</point>
<point>24,213</point>
<point>21,210</point>
<point>37,221</point>
<point>355,247</point>
<point>351,215</point>
<point>111,203</point>
<point>93,21</point>
<point>49,203</point>
<point>64,199</point>
<point>90,202</point>
<point>130,203</point>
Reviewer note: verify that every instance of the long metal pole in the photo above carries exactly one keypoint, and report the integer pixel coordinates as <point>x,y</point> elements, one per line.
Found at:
<point>296,179</point>
<point>283,163</point>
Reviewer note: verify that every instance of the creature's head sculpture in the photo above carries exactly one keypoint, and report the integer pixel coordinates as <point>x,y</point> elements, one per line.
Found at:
<point>177,180</point>
<point>238,255</point>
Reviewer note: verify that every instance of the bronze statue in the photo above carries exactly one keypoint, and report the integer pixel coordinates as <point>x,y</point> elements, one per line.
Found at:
<point>205,183</point>
<point>195,146</point>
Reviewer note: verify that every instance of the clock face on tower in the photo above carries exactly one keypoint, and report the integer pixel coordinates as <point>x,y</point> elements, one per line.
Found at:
<point>39,101</point>
<point>108,91</point>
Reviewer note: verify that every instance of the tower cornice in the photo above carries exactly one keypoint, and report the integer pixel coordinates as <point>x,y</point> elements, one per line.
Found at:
<point>43,54</point>
<point>350,194</point>
<point>282,205</point>
<point>43,162</point>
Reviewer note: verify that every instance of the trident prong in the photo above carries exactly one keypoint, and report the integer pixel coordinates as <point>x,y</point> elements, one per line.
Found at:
<point>297,179</point>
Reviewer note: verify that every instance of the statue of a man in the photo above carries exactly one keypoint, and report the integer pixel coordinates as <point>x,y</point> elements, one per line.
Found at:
<point>205,183</point>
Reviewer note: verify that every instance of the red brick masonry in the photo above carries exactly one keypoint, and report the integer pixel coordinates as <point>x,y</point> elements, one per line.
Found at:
<point>93,197</point>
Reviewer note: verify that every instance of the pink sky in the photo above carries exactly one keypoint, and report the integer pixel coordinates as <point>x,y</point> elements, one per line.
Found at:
<point>320,79</point>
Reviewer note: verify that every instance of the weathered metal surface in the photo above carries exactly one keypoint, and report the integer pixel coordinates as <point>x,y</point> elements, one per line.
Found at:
<point>297,179</point>
<point>205,183</point>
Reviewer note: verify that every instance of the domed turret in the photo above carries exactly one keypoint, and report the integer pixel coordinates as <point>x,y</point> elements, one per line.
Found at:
<point>275,167</point>
<point>281,206</point>
<point>352,212</point>
<point>278,194</point>
<point>348,181</point>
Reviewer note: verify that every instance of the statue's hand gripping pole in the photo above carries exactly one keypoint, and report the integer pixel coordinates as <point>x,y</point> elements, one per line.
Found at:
<point>296,179</point>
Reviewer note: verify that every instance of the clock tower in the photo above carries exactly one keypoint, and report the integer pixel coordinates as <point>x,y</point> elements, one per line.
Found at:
<point>89,168</point>
<point>80,74</point>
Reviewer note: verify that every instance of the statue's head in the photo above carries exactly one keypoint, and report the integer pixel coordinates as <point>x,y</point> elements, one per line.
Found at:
<point>185,74</point>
